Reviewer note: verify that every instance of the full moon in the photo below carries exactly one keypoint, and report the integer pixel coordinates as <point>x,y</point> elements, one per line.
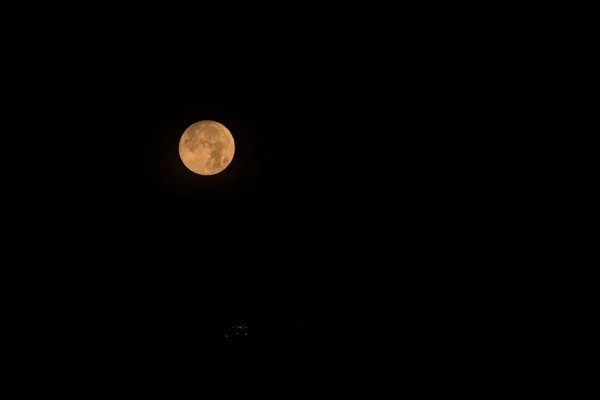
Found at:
<point>206,147</point>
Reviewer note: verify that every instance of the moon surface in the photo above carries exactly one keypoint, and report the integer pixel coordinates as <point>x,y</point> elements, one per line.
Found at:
<point>206,147</point>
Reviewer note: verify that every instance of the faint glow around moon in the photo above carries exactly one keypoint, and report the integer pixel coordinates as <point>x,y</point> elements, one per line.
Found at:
<point>206,147</point>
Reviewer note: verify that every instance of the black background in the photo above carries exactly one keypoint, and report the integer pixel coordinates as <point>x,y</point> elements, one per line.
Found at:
<point>372,206</point>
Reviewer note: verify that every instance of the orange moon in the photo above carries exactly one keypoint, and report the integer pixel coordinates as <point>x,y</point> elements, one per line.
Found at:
<point>206,147</point>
